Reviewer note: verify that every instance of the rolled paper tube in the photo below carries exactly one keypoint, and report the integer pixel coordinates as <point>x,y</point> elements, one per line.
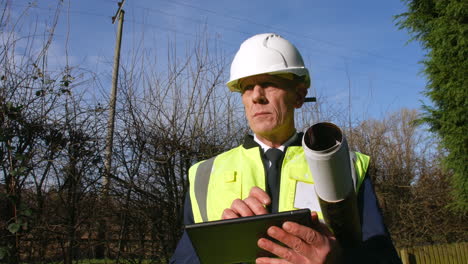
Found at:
<point>327,155</point>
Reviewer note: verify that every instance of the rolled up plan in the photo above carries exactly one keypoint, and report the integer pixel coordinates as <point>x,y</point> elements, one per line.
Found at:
<point>327,155</point>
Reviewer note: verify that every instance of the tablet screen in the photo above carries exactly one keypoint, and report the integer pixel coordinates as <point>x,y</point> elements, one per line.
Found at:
<point>235,240</point>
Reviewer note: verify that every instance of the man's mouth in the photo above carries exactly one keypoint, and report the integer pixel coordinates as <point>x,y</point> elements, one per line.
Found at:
<point>261,114</point>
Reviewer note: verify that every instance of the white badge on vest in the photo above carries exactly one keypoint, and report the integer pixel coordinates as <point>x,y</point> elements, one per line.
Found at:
<point>306,197</point>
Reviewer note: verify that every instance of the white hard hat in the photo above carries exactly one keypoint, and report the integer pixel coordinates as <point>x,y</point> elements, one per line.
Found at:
<point>266,53</point>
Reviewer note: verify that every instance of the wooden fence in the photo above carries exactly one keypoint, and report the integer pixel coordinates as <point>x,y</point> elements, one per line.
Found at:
<point>440,254</point>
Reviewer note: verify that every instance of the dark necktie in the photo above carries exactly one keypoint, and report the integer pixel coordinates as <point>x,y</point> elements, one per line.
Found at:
<point>273,179</point>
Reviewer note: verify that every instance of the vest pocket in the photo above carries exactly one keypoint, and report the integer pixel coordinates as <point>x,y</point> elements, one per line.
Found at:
<point>224,191</point>
<point>230,176</point>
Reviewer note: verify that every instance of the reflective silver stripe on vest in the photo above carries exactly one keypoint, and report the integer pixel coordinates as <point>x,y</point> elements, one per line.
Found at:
<point>353,158</point>
<point>202,178</point>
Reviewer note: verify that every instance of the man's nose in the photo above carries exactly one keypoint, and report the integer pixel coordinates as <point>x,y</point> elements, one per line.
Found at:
<point>258,94</point>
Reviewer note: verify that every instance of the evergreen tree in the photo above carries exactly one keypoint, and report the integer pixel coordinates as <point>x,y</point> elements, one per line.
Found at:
<point>441,26</point>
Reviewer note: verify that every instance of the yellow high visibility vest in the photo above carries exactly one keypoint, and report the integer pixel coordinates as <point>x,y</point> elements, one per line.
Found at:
<point>216,182</point>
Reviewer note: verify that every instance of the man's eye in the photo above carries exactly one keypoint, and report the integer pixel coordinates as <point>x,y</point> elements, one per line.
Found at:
<point>268,84</point>
<point>247,87</point>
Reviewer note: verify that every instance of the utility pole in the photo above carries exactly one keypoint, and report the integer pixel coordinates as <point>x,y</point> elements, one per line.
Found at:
<point>115,76</point>
<point>100,250</point>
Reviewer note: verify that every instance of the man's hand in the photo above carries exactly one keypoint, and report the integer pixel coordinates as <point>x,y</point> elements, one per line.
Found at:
<point>254,204</point>
<point>302,244</point>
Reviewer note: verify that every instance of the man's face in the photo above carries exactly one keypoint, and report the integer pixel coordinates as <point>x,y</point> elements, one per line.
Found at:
<point>269,103</point>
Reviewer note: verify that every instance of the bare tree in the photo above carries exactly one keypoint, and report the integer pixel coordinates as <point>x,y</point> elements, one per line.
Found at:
<point>49,146</point>
<point>24,106</point>
<point>171,113</point>
<point>411,187</point>
<point>168,122</point>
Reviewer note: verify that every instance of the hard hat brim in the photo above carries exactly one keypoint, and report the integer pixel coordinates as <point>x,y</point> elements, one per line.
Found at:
<point>233,84</point>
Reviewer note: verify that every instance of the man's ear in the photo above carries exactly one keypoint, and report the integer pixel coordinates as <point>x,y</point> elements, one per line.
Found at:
<point>301,92</point>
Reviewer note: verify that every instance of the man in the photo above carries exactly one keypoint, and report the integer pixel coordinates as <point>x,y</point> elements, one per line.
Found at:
<point>269,72</point>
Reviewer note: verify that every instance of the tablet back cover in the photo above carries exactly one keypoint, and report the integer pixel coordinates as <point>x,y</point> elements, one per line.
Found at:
<point>235,240</point>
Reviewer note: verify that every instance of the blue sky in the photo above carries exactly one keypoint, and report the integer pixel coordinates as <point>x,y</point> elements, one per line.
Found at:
<point>347,45</point>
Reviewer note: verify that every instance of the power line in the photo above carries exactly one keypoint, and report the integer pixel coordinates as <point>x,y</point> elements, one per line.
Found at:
<point>71,11</point>
<point>177,31</point>
<point>304,49</point>
<point>245,20</point>
<point>187,18</point>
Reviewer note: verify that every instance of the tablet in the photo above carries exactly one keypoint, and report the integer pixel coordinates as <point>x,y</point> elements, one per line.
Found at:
<point>235,240</point>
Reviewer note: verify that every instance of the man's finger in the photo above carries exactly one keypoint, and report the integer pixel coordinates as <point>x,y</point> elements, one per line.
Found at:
<point>241,208</point>
<point>260,195</point>
<point>270,261</point>
<point>257,207</point>
<point>229,214</point>
<point>295,244</point>
<point>287,255</point>
<point>307,234</point>
<point>320,226</point>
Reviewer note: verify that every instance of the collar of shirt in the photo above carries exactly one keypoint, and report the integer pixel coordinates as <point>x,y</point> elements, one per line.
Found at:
<point>282,147</point>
